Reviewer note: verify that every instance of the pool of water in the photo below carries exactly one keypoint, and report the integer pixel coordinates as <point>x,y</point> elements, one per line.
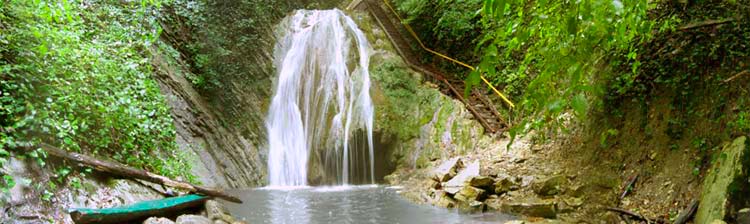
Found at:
<point>344,204</point>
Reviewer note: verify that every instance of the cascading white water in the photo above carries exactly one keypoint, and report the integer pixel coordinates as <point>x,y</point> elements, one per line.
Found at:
<point>322,99</point>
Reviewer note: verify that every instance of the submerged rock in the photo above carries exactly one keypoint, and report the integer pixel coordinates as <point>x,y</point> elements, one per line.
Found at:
<point>155,220</point>
<point>193,219</point>
<point>550,186</point>
<point>456,183</point>
<point>447,169</point>
<point>531,207</point>
<point>726,181</point>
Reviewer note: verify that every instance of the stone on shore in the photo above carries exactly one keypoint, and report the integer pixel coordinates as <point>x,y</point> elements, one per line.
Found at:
<point>469,193</point>
<point>444,200</point>
<point>505,184</point>
<point>447,169</point>
<point>216,211</point>
<point>483,182</point>
<point>193,219</point>
<point>550,186</point>
<point>457,183</point>
<point>155,220</point>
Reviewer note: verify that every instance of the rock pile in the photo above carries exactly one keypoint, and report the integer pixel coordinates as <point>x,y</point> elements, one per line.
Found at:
<point>213,212</point>
<point>456,185</point>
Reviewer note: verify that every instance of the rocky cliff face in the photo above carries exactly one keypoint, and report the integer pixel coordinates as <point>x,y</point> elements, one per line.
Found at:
<point>222,157</point>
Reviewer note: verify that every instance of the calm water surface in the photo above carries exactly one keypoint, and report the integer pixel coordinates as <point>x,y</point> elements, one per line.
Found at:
<point>344,204</point>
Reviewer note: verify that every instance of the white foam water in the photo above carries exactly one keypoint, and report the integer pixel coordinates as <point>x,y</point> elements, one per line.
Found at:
<point>321,101</point>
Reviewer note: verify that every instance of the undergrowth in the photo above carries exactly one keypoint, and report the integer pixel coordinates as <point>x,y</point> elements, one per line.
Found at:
<point>76,74</point>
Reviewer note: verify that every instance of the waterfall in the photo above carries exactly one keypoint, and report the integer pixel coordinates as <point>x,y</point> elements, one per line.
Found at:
<point>321,103</point>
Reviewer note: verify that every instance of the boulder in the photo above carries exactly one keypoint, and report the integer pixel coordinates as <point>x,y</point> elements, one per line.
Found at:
<point>447,169</point>
<point>574,202</point>
<point>725,183</point>
<point>544,208</point>
<point>193,219</point>
<point>473,207</point>
<point>445,201</point>
<point>550,186</point>
<point>568,205</point>
<point>435,185</point>
<point>515,222</point>
<point>216,211</point>
<point>505,184</point>
<point>743,216</point>
<point>468,194</point>
<point>456,183</point>
<point>483,182</point>
<point>155,220</point>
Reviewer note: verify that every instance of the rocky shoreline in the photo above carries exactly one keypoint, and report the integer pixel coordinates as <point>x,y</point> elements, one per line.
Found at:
<point>213,212</point>
<point>531,181</point>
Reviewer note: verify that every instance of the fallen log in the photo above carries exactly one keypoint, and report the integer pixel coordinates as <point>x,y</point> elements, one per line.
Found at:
<point>137,211</point>
<point>706,23</point>
<point>687,213</point>
<point>129,172</point>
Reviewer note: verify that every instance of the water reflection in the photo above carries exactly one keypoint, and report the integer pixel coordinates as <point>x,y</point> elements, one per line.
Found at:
<point>279,203</point>
<point>344,204</point>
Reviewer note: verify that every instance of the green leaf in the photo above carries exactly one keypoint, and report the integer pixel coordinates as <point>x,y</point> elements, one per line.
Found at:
<point>572,24</point>
<point>579,105</point>
<point>9,183</point>
<point>471,80</point>
<point>499,6</point>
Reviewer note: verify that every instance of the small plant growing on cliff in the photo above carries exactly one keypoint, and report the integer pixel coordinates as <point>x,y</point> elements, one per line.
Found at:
<point>742,122</point>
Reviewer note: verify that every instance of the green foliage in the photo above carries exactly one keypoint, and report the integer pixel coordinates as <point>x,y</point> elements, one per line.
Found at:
<point>76,75</point>
<point>450,26</point>
<point>220,39</point>
<point>560,45</point>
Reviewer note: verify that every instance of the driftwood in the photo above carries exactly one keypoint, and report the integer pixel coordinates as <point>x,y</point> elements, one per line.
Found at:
<point>746,72</point>
<point>137,211</point>
<point>129,172</point>
<point>635,215</point>
<point>687,213</point>
<point>705,23</point>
